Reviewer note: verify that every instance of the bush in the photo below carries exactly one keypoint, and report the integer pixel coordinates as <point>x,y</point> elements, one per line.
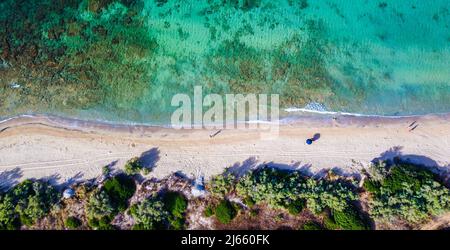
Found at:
<point>99,209</point>
<point>329,223</point>
<point>26,203</point>
<point>249,202</point>
<point>133,166</point>
<point>176,205</point>
<point>221,185</point>
<point>104,204</point>
<point>267,185</point>
<point>149,214</point>
<point>371,186</point>
<point>106,170</point>
<point>296,207</point>
<point>8,217</point>
<point>120,189</point>
<point>209,211</point>
<point>311,226</point>
<point>104,223</point>
<point>411,175</point>
<point>177,223</point>
<point>72,223</point>
<point>408,192</point>
<point>349,219</point>
<point>277,188</point>
<point>225,212</point>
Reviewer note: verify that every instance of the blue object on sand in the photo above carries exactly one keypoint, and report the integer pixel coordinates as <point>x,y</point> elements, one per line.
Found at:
<point>309,141</point>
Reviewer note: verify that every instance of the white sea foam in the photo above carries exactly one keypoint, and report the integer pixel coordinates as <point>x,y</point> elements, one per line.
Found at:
<point>337,113</point>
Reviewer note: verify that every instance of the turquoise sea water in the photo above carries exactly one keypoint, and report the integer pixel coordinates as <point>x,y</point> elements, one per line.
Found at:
<point>360,56</point>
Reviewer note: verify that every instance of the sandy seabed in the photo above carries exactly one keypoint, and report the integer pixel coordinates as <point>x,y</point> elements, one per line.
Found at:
<point>68,150</point>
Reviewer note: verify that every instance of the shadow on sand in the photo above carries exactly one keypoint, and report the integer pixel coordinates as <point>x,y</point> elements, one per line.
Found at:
<point>9,178</point>
<point>150,158</point>
<point>55,180</point>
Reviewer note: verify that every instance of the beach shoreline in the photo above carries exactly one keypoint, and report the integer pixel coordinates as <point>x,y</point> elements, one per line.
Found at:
<point>66,150</point>
<point>290,116</point>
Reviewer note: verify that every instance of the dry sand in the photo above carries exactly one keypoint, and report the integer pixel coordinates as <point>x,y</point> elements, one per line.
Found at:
<point>69,150</point>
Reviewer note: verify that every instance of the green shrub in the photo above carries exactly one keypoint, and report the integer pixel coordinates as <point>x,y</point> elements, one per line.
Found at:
<point>26,203</point>
<point>176,204</point>
<point>330,224</point>
<point>221,185</point>
<point>225,212</point>
<point>268,185</point>
<point>104,223</point>
<point>249,202</point>
<point>133,166</point>
<point>209,211</point>
<point>408,192</point>
<point>403,174</point>
<point>8,217</point>
<point>99,209</point>
<point>311,226</point>
<point>349,219</point>
<point>106,170</point>
<point>149,214</point>
<point>120,189</point>
<point>177,223</point>
<point>371,186</point>
<point>72,223</point>
<point>296,207</point>
<point>277,188</point>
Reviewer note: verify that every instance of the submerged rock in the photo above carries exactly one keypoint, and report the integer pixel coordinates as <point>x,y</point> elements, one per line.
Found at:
<point>97,5</point>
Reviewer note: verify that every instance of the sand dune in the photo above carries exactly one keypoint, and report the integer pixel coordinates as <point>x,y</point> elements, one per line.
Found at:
<point>67,151</point>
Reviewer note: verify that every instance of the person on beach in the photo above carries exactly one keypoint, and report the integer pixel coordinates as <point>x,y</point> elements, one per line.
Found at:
<point>413,126</point>
<point>311,140</point>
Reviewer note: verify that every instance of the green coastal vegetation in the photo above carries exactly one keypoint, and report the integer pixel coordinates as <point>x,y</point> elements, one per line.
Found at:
<point>26,203</point>
<point>164,211</point>
<point>392,192</point>
<point>293,192</point>
<point>113,198</point>
<point>135,166</point>
<point>405,191</point>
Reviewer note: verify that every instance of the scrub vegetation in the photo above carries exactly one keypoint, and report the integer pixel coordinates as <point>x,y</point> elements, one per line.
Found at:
<point>265,198</point>
<point>407,192</point>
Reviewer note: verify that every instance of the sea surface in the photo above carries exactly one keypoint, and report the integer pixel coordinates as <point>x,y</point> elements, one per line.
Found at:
<point>370,57</point>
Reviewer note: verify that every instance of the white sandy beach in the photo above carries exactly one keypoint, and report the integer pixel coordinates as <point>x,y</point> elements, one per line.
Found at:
<point>41,147</point>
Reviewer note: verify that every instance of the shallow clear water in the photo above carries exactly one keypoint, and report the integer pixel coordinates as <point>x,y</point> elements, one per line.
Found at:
<point>387,61</point>
<point>369,57</point>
